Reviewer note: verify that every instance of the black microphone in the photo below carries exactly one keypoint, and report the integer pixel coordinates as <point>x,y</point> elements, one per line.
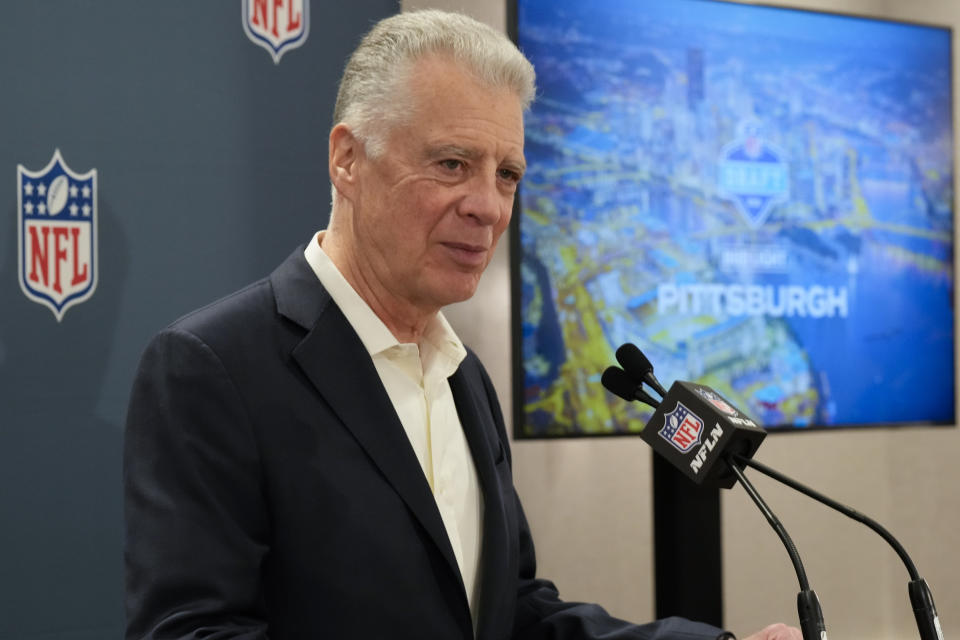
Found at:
<point>700,433</point>
<point>680,421</point>
<point>617,382</point>
<point>638,366</point>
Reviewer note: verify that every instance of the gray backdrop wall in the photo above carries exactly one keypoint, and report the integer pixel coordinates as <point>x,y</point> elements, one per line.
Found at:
<point>211,168</point>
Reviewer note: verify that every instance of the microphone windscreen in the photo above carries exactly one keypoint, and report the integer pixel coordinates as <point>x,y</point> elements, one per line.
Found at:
<point>633,361</point>
<point>617,382</point>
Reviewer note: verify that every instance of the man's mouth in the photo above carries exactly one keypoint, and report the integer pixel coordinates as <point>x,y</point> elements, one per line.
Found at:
<point>466,253</point>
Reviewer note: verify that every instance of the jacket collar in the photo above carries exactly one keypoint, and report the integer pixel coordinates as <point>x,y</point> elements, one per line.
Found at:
<point>337,364</point>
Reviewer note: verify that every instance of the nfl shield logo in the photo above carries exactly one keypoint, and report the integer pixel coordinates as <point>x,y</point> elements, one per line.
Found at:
<point>276,25</point>
<point>682,428</point>
<point>717,401</point>
<point>57,234</point>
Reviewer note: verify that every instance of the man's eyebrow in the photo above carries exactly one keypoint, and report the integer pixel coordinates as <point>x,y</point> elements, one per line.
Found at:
<point>455,150</point>
<point>520,166</point>
<point>458,151</point>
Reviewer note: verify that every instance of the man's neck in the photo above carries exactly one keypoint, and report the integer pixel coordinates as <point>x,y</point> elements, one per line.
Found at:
<point>407,322</point>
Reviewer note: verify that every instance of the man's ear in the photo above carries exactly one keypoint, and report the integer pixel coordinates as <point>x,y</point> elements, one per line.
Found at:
<point>345,153</point>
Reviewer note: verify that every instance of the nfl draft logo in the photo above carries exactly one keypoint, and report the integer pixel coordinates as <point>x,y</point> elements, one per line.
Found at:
<point>682,428</point>
<point>57,234</point>
<point>276,25</point>
<point>752,173</point>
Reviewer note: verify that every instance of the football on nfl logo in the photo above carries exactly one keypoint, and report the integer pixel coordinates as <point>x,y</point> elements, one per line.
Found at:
<point>57,235</point>
<point>276,25</point>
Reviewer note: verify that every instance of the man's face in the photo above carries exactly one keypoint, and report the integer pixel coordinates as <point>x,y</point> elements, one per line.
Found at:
<point>428,212</point>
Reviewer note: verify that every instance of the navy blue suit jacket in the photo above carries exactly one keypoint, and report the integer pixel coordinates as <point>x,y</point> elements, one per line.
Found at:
<point>271,491</point>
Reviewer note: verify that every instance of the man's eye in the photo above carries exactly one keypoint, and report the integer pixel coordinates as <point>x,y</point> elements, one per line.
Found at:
<point>509,175</point>
<point>451,164</point>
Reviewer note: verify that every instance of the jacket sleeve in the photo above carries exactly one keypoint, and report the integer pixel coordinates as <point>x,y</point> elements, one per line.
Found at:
<point>196,523</point>
<point>542,615</point>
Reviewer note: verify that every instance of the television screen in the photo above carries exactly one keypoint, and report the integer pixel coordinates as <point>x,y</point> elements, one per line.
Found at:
<point>760,198</point>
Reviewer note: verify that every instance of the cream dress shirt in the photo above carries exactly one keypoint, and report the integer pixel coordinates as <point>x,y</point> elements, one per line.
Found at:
<point>415,378</point>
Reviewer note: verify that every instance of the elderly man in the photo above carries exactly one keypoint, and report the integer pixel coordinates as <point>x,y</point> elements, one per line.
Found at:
<point>317,455</point>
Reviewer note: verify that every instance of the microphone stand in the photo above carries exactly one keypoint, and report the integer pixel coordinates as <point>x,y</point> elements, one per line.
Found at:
<point>808,605</point>
<point>928,623</point>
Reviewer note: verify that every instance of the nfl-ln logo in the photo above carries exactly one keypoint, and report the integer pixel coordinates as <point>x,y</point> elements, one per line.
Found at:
<point>752,173</point>
<point>276,25</point>
<point>57,234</point>
<point>682,428</point>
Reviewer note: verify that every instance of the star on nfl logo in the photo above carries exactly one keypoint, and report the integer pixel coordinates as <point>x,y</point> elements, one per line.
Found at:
<point>57,235</point>
<point>276,25</point>
<point>682,428</point>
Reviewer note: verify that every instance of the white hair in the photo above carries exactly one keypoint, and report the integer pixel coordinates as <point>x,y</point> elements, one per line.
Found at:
<point>374,92</point>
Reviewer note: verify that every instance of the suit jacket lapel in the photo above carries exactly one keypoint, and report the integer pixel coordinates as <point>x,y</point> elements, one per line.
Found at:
<point>484,447</point>
<point>338,365</point>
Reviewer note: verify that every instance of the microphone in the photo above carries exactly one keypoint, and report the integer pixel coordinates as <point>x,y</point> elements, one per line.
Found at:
<point>638,366</point>
<point>679,428</point>
<point>617,382</point>
<point>699,433</point>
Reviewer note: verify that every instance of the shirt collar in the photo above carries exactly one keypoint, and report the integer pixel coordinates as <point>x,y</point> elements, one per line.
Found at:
<point>438,338</point>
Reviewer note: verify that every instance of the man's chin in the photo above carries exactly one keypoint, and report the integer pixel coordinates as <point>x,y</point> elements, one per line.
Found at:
<point>458,290</point>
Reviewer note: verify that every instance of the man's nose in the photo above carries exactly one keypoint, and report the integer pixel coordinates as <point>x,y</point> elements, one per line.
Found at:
<point>485,200</point>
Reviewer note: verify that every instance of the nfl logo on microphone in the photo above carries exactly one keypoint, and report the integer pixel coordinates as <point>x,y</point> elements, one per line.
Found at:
<point>276,25</point>
<point>57,234</point>
<point>716,401</point>
<point>682,428</point>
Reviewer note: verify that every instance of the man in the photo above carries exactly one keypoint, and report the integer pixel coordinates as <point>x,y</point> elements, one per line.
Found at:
<point>317,455</point>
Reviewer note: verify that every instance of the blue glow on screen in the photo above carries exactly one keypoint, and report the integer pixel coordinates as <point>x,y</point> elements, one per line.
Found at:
<point>760,198</point>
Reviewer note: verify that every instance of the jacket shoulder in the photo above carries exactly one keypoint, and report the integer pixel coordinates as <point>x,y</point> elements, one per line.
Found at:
<point>238,311</point>
<point>292,291</point>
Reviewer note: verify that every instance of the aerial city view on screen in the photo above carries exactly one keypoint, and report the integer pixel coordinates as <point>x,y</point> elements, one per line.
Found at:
<point>760,199</point>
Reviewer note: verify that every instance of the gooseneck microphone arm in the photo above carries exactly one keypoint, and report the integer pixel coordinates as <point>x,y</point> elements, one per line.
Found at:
<point>925,612</point>
<point>775,523</point>
<point>808,605</point>
<point>833,504</point>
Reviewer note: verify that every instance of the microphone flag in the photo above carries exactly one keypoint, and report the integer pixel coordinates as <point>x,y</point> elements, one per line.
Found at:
<point>694,428</point>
